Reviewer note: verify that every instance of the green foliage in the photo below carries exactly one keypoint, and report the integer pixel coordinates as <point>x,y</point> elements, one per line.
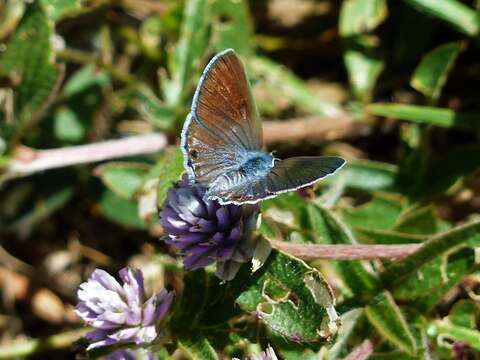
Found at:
<point>432,72</point>
<point>426,115</point>
<point>124,179</point>
<point>282,82</point>
<point>197,348</point>
<point>357,18</point>
<point>292,299</point>
<point>356,275</point>
<point>57,9</point>
<point>233,25</point>
<point>120,210</point>
<point>386,317</point>
<point>370,175</point>
<point>453,12</point>
<point>29,58</point>
<point>168,170</point>
<point>436,246</point>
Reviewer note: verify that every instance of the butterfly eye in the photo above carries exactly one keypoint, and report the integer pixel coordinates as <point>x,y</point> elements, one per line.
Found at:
<point>193,154</point>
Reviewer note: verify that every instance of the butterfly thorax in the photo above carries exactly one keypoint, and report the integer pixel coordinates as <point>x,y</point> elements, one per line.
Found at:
<point>255,164</point>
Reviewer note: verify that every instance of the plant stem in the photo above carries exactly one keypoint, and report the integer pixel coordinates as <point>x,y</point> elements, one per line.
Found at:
<point>346,252</point>
<point>313,127</point>
<point>34,346</point>
<point>81,57</point>
<point>31,161</point>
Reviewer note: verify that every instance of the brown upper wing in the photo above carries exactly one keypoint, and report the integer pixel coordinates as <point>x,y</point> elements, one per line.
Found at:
<point>224,123</point>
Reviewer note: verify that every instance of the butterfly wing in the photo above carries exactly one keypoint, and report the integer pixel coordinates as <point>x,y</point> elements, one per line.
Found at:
<point>286,175</point>
<point>297,172</point>
<point>223,125</point>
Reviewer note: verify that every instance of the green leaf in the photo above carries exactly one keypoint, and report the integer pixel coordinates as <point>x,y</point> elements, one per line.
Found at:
<point>464,313</point>
<point>445,329</point>
<point>30,59</point>
<point>232,25</point>
<point>191,307</point>
<point>453,12</point>
<point>468,234</point>
<point>84,79</point>
<point>283,82</point>
<point>289,210</point>
<point>364,68</point>
<point>120,210</point>
<point>168,170</point>
<point>292,299</point>
<point>381,212</point>
<point>10,14</point>
<point>290,350</point>
<point>67,126</point>
<point>188,52</point>
<point>57,9</point>
<point>123,178</point>
<point>431,74</point>
<point>363,65</point>
<point>420,221</point>
<point>427,115</point>
<point>432,280</point>
<point>355,274</point>
<point>370,175</point>
<point>197,347</point>
<point>357,16</point>
<point>34,29</point>
<point>207,303</point>
<point>157,113</point>
<point>42,209</point>
<point>385,315</point>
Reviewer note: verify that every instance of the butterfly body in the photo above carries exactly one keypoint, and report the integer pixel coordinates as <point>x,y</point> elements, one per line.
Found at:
<point>222,142</point>
<point>255,166</point>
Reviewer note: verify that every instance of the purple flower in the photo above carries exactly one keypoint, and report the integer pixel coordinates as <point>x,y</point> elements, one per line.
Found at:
<point>128,354</point>
<point>120,314</point>
<point>268,354</point>
<point>207,232</point>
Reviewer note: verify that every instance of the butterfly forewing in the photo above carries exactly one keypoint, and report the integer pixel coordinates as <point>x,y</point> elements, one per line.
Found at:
<point>224,124</point>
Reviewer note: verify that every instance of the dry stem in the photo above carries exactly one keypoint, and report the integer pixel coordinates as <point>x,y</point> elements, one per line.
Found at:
<point>346,252</point>
<point>30,161</point>
<point>313,127</point>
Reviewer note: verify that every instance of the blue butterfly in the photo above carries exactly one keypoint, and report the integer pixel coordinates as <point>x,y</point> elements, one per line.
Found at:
<point>222,142</point>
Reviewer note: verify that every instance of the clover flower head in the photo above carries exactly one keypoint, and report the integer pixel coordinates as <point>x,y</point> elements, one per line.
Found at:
<point>120,314</point>
<point>207,232</point>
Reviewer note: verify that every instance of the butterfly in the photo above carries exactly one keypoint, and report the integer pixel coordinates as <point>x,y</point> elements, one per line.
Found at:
<point>222,142</point>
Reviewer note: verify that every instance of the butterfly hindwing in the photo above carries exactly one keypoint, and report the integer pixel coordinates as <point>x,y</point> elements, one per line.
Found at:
<point>297,172</point>
<point>286,175</point>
